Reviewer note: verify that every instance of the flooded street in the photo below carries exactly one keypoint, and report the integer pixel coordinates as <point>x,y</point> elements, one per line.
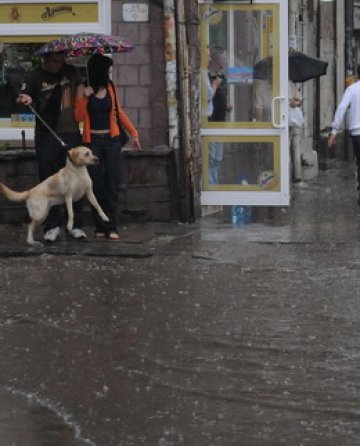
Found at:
<point>194,335</point>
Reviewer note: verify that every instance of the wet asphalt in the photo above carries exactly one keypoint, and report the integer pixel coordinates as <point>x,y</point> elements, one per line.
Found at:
<point>198,335</point>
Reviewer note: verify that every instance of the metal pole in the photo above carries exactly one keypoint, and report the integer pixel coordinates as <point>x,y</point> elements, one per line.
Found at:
<point>188,155</point>
<point>349,46</point>
<point>349,64</point>
<point>317,132</point>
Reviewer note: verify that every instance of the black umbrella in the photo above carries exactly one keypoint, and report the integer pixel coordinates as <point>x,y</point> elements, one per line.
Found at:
<point>301,67</point>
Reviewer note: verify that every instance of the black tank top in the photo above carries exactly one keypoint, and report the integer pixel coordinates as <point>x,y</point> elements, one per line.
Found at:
<point>99,109</point>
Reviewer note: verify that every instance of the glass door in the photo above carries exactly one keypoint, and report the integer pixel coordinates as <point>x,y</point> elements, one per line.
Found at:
<point>244,86</point>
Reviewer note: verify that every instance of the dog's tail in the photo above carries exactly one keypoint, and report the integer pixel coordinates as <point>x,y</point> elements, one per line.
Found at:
<point>13,195</point>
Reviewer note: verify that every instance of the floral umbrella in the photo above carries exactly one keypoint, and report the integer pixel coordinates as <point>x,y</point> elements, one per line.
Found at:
<point>86,44</point>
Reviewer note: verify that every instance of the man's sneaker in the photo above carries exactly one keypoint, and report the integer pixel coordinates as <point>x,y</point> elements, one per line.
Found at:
<point>52,234</point>
<point>77,233</point>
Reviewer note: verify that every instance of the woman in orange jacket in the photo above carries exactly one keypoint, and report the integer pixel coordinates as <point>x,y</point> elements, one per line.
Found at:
<point>98,107</point>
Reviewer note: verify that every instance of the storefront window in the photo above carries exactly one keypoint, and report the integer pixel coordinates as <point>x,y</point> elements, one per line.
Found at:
<point>25,26</point>
<point>16,60</point>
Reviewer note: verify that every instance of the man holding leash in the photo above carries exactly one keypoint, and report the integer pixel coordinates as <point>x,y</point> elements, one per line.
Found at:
<point>349,101</point>
<point>51,89</point>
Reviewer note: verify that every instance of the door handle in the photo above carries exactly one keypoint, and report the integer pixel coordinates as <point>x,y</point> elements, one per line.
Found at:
<point>281,124</point>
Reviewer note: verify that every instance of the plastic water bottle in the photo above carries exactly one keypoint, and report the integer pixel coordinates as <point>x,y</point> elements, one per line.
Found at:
<point>239,213</point>
<point>235,214</point>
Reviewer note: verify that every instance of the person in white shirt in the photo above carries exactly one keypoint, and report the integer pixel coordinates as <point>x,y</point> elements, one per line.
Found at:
<point>349,101</point>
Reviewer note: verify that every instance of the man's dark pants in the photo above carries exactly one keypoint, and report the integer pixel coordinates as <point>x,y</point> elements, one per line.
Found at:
<point>51,158</point>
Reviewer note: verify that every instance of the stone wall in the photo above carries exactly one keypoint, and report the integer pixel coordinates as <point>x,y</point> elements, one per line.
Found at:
<point>18,170</point>
<point>147,192</point>
<point>149,186</point>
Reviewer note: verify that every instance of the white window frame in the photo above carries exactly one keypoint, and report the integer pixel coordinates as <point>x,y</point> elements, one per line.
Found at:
<point>278,130</point>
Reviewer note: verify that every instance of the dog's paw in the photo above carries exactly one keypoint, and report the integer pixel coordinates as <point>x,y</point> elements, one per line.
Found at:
<point>105,217</point>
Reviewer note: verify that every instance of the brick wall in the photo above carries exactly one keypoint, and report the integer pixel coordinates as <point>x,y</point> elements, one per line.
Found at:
<point>147,192</point>
<point>140,75</point>
<point>19,171</point>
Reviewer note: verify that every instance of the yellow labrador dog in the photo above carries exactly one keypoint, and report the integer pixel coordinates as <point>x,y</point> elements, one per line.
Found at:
<point>70,184</point>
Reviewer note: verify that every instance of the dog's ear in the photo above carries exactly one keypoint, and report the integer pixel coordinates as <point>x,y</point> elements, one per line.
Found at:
<point>73,155</point>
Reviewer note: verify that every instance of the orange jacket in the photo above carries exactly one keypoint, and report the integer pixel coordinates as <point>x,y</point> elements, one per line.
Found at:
<point>81,114</point>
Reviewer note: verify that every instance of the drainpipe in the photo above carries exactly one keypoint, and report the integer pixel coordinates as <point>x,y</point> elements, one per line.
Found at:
<point>176,50</point>
<point>188,155</point>
<point>177,64</point>
<point>349,63</point>
<point>349,53</point>
<point>319,140</point>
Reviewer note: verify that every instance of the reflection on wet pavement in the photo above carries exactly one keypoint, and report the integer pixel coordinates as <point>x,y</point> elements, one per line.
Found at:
<point>27,421</point>
<point>222,336</point>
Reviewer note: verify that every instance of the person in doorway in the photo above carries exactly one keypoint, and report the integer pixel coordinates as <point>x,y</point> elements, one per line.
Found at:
<point>10,90</point>
<point>296,121</point>
<point>97,106</point>
<point>220,106</point>
<point>212,82</point>
<point>211,87</point>
<point>51,89</point>
<point>350,101</point>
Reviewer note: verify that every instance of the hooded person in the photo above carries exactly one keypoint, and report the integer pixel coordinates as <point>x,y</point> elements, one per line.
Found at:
<point>97,106</point>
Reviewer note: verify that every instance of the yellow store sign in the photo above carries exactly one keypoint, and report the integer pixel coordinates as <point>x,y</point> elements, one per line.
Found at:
<point>26,13</point>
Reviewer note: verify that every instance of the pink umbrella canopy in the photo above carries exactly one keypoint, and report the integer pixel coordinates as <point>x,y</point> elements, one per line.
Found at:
<point>86,44</point>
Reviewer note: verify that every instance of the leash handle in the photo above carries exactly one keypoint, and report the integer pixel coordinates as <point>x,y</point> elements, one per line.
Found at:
<point>47,125</point>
